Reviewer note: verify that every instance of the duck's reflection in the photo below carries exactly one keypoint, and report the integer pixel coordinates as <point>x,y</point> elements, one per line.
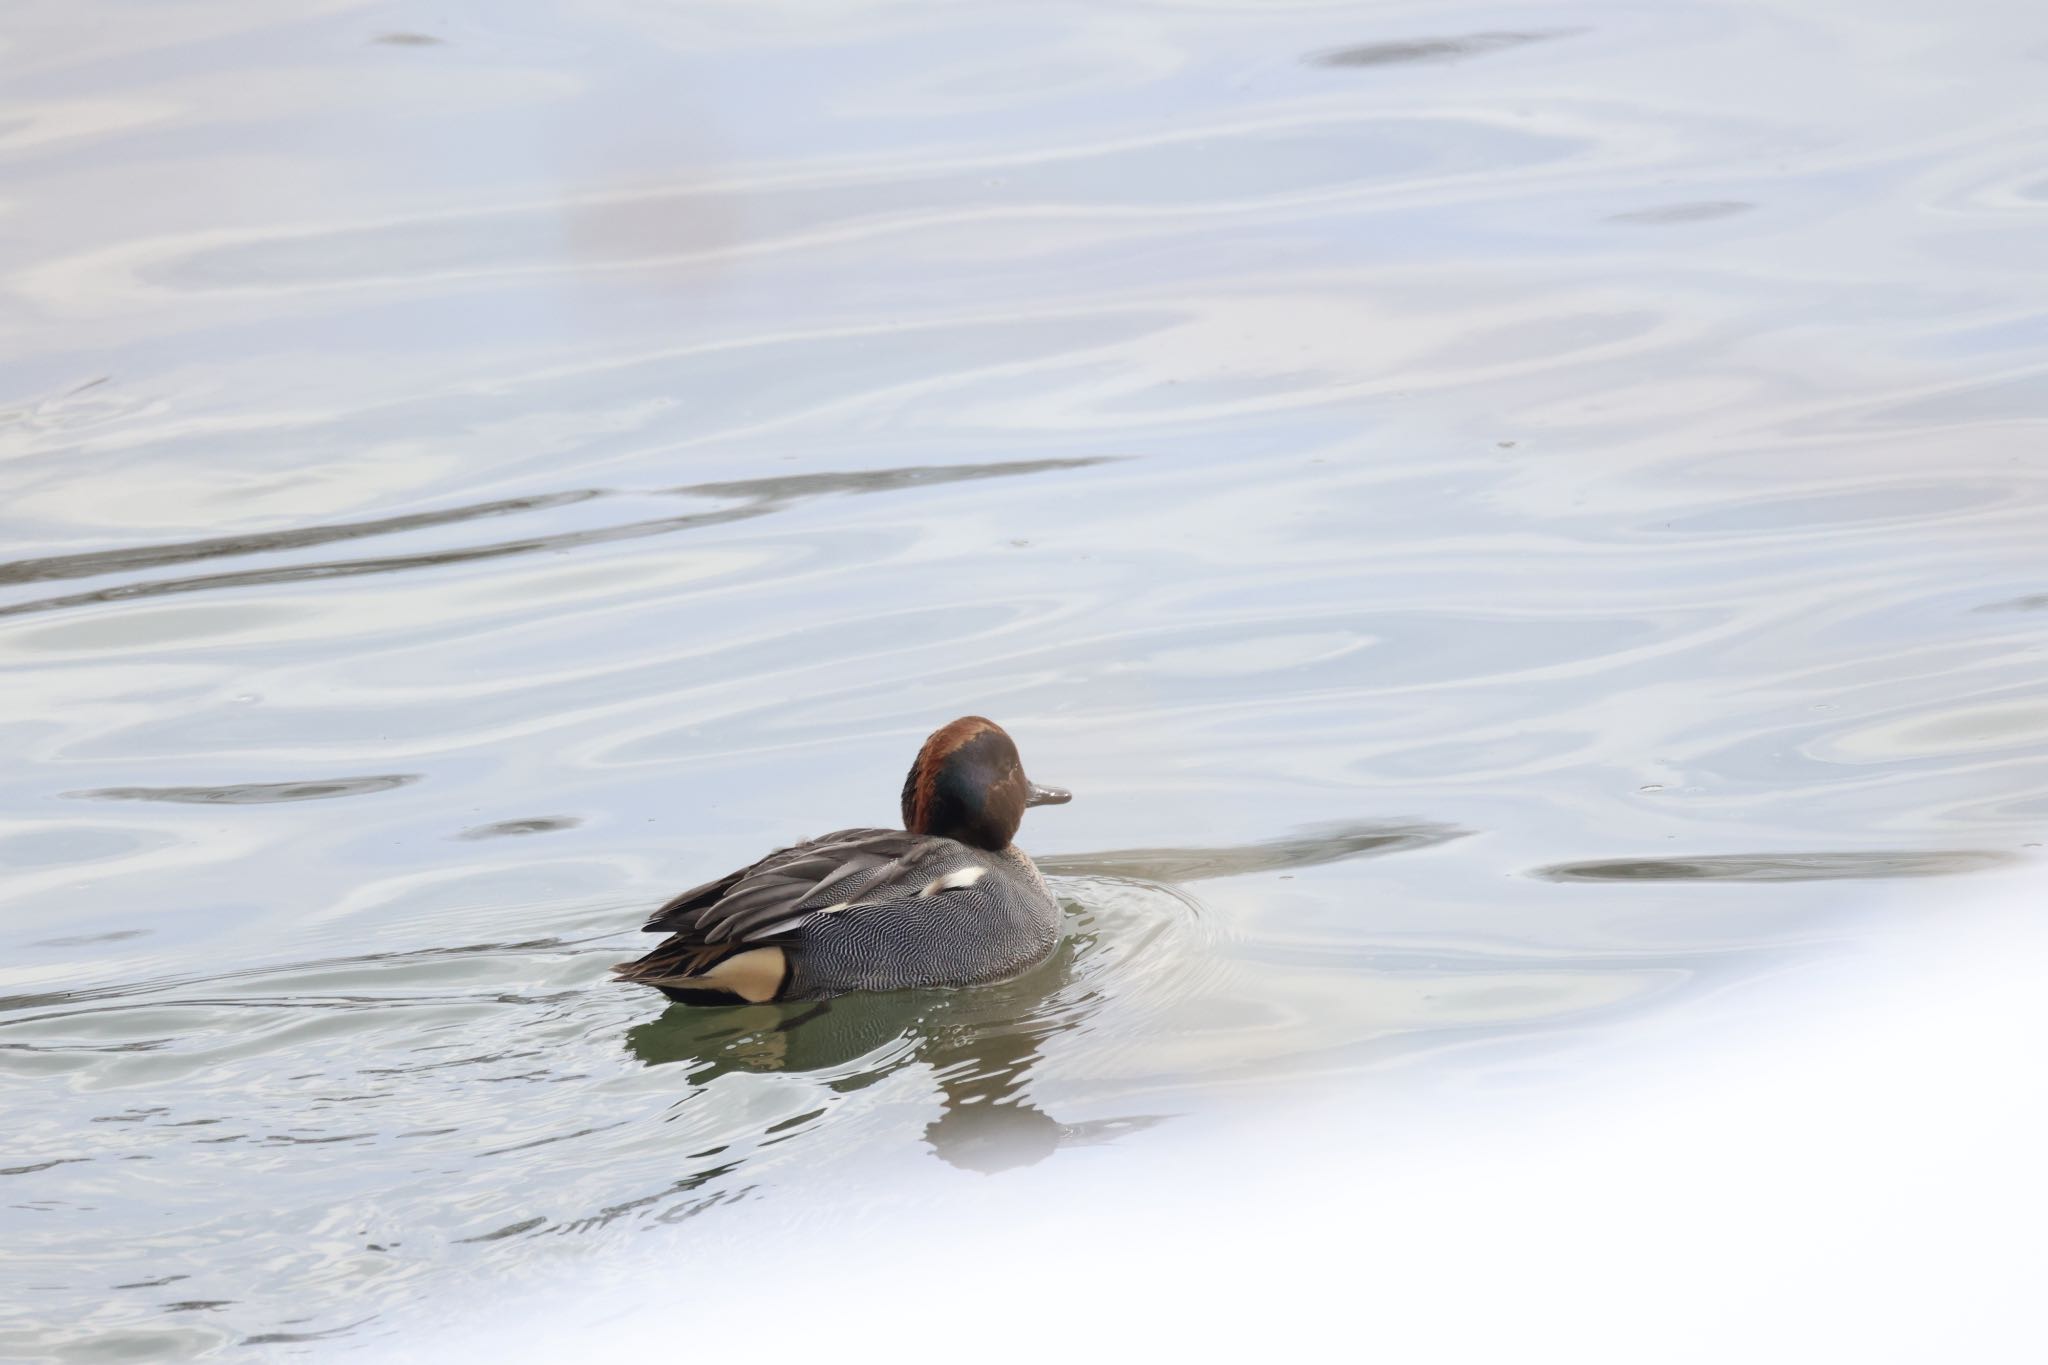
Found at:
<point>980,1046</point>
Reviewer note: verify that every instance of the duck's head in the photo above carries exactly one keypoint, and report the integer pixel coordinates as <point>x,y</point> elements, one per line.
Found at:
<point>968,784</point>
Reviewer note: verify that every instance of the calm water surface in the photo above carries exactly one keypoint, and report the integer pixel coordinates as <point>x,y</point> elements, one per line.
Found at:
<point>1510,517</point>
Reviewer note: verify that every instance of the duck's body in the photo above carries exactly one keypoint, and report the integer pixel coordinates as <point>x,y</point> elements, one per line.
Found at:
<point>946,901</point>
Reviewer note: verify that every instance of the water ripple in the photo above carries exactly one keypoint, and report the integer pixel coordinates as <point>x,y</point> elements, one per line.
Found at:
<point>1312,848</point>
<point>1432,50</point>
<point>255,793</point>
<point>1783,867</point>
<point>761,496</point>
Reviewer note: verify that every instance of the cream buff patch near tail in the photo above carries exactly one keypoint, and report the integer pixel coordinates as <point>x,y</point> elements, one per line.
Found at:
<point>754,976</point>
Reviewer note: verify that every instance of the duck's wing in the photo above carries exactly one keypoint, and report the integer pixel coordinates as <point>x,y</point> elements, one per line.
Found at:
<point>725,937</point>
<point>789,885</point>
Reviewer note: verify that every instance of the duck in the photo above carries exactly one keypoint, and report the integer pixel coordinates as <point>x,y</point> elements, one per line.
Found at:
<point>948,900</point>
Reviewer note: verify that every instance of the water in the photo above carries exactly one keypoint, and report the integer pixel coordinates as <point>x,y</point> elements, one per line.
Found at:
<point>1511,519</point>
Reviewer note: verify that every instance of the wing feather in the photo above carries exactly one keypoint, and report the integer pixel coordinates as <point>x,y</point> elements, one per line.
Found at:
<point>778,895</point>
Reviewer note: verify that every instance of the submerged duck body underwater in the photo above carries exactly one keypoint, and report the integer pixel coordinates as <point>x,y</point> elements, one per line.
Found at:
<point>948,900</point>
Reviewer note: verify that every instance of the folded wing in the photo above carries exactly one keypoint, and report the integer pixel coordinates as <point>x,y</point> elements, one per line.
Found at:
<point>766,904</point>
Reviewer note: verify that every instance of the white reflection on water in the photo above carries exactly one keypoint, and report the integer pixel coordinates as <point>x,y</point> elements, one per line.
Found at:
<point>1504,534</point>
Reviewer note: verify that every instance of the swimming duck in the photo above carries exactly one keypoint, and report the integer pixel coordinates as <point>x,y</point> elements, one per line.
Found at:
<point>947,900</point>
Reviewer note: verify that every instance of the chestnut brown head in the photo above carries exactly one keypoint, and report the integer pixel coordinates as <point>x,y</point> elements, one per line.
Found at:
<point>968,784</point>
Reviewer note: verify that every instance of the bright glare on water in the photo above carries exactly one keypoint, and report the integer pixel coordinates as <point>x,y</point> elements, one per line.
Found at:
<point>1510,518</point>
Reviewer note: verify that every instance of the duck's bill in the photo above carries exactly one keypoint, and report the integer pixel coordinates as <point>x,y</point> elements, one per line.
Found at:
<point>1048,796</point>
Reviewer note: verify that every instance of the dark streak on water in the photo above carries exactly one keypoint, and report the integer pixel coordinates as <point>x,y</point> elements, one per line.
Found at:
<point>284,1338</point>
<point>1431,50</point>
<point>35,1166</point>
<point>1701,212</point>
<point>2035,601</point>
<point>509,1230</point>
<point>1783,867</point>
<point>138,557</point>
<point>81,940</point>
<point>763,496</point>
<point>535,824</point>
<point>1311,848</point>
<point>255,793</point>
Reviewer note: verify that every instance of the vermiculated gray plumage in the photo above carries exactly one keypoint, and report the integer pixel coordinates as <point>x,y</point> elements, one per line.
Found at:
<point>1003,923</point>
